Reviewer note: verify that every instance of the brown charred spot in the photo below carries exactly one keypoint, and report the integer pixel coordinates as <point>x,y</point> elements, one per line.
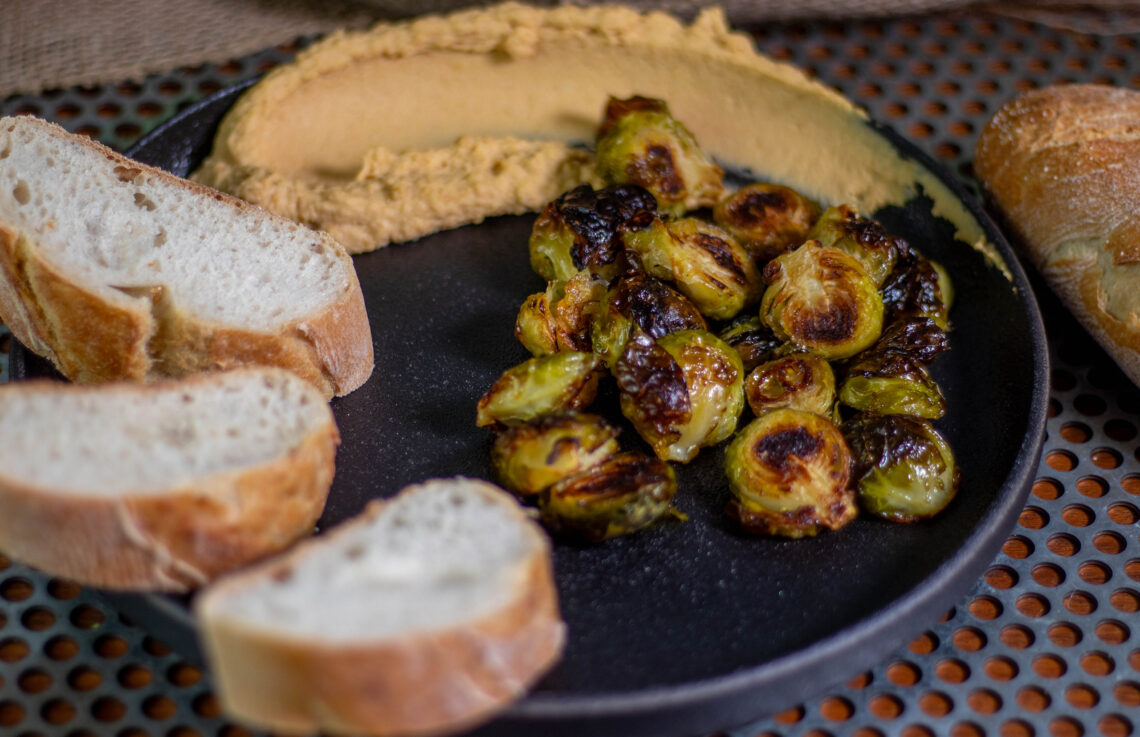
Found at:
<point>656,170</point>
<point>626,474</point>
<point>654,306</point>
<point>919,337</point>
<point>754,208</point>
<point>617,109</point>
<point>561,447</point>
<point>912,287</point>
<point>653,380</point>
<point>723,255</point>
<point>772,271</point>
<point>782,450</point>
<point>836,323</point>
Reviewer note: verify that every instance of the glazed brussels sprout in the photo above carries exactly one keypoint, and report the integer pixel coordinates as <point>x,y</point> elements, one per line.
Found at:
<point>682,392</point>
<point>561,318</point>
<point>530,457</point>
<point>641,143</point>
<point>841,227</point>
<point>704,261</point>
<point>753,340</point>
<point>540,386</point>
<point>891,378</point>
<point>767,219</point>
<point>822,300</point>
<point>917,287</point>
<point>579,230</point>
<point>789,474</point>
<point>800,381</point>
<point>623,494</point>
<point>904,469</point>
<point>918,337</point>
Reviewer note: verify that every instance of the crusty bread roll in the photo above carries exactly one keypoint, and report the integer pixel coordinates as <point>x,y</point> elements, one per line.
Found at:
<point>1062,164</point>
<point>116,270</point>
<point>161,486</point>
<point>425,614</point>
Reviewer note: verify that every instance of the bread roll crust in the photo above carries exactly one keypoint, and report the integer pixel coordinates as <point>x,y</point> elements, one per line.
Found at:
<point>1060,164</point>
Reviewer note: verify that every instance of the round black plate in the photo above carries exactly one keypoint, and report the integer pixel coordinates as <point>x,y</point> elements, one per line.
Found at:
<point>689,627</point>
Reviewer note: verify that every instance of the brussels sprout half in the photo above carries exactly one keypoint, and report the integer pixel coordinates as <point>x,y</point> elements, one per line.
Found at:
<point>800,381</point>
<point>917,287</point>
<point>843,228</point>
<point>891,382</point>
<point>789,474</point>
<point>822,300</point>
<point>562,317</point>
<point>640,142</point>
<point>904,469</point>
<point>540,386</point>
<point>530,457</point>
<point>767,219</point>
<point>622,494</point>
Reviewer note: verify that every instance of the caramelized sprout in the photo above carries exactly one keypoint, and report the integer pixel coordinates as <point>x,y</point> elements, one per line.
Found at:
<point>562,317</point>
<point>789,473</point>
<point>752,339</point>
<point>767,219</point>
<point>822,300</point>
<point>800,381</point>
<point>540,386</point>
<point>528,458</point>
<point>704,261</point>
<point>623,494</point>
<point>888,380</point>
<point>641,143</point>
<point>842,227</point>
<point>904,469</point>
<point>917,287</point>
<point>580,229</point>
<point>918,337</point>
<point>681,392</point>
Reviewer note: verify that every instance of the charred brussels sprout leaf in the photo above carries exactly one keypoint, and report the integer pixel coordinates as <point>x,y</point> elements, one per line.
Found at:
<point>540,386</point>
<point>753,340</point>
<point>789,473</point>
<point>823,301</point>
<point>767,219</point>
<point>904,469</point>
<point>623,494</point>
<point>888,380</point>
<point>704,261</point>
<point>682,392</point>
<point>917,287</point>
<point>842,228</point>
<point>918,337</point>
<point>579,230</point>
<point>655,307</point>
<point>801,381</point>
<point>530,457</point>
<point>562,317</point>
<point>641,143</point>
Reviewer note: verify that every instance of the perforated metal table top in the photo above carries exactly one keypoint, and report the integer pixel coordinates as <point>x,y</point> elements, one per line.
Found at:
<point>1047,643</point>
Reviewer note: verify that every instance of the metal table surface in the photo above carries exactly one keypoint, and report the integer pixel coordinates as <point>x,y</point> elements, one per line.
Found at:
<point>1046,643</point>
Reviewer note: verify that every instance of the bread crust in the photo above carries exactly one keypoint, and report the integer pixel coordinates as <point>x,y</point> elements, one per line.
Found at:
<point>140,334</point>
<point>1059,164</point>
<point>425,683</point>
<point>172,539</point>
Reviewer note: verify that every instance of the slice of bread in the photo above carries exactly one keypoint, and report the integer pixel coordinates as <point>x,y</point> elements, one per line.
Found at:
<point>426,614</point>
<point>161,486</point>
<point>116,270</point>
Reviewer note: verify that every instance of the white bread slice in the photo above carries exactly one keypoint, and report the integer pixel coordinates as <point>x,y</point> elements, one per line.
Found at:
<point>425,614</point>
<point>116,270</point>
<point>161,486</point>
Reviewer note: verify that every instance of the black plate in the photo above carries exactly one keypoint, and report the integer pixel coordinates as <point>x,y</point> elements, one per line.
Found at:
<point>686,628</point>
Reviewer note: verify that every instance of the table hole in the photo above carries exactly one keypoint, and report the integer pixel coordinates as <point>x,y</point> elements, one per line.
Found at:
<point>1106,458</point>
<point>1064,634</point>
<point>1089,405</point>
<point>985,607</point>
<point>1033,518</point>
<point>11,713</point>
<point>1032,605</point>
<point>1132,569</point>
<point>1017,547</point>
<point>1109,543</point>
<point>860,681</point>
<point>1065,727</point>
<point>1062,380</point>
<point>183,675</point>
<point>1033,698</point>
<point>1063,544</point>
<point>1049,666</point>
<point>983,701</point>
<point>1122,431</point>
<point>108,709</point>
<point>885,706</point>
<point>1094,573</point>
<point>1016,728</point>
<point>1047,574</point>
<point>1123,513</point>
<point>1076,432</point>
<point>1080,603</point>
<point>969,639</point>
<point>1061,460</point>
<point>38,619</point>
<point>923,644</point>
<point>1112,632</point>
<point>1131,484</point>
<point>1078,515</point>
<point>111,646</point>
<point>155,647</point>
<point>135,676</point>
<point>1114,725</point>
<point>790,716</point>
<point>999,668</point>
<point>16,589</point>
<point>836,709</point>
<point>1054,408</point>
<point>935,704</point>
<point>206,706</point>
<point>63,589</point>
<point>1016,636</point>
<point>952,670</point>
<point>903,673</point>
<point>1047,489</point>
<point>1097,663</point>
<point>86,617</point>
<point>1093,487</point>
<point>83,678</point>
<point>1082,696</point>
<point>34,681</point>
<point>1002,577</point>
<point>13,650</point>
<point>1125,600</point>
<point>61,647</point>
<point>1127,694</point>
<point>159,707</point>
<point>966,729</point>
<point>57,712</point>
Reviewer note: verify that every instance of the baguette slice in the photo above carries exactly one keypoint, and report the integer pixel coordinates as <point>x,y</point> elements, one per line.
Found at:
<point>1062,165</point>
<point>161,486</point>
<point>116,270</point>
<point>424,615</point>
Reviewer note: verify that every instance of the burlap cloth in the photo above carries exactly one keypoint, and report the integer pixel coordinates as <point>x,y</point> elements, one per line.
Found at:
<point>47,44</point>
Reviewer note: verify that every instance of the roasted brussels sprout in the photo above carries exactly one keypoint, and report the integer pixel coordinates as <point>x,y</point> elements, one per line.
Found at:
<point>752,339</point>
<point>540,386</point>
<point>800,381</point>
<point>704,261</point>
<point>623,494</point>
<point>789,474</point>
<point>843,228</point>
<point>917,287</point>
<point>904,469</point>
<point>886,380</point>
<point>767,219</point>
<point>640,142</point>
<point>579,230</point>
<point>682,392</point>
<point>530,457</point>
<point>822,300</point>
<point>561,318</point>
<point>918,337</point>
<point>636,299</point>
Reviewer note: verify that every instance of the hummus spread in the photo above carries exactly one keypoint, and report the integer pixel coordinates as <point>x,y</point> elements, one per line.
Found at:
<point>393,133</point>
